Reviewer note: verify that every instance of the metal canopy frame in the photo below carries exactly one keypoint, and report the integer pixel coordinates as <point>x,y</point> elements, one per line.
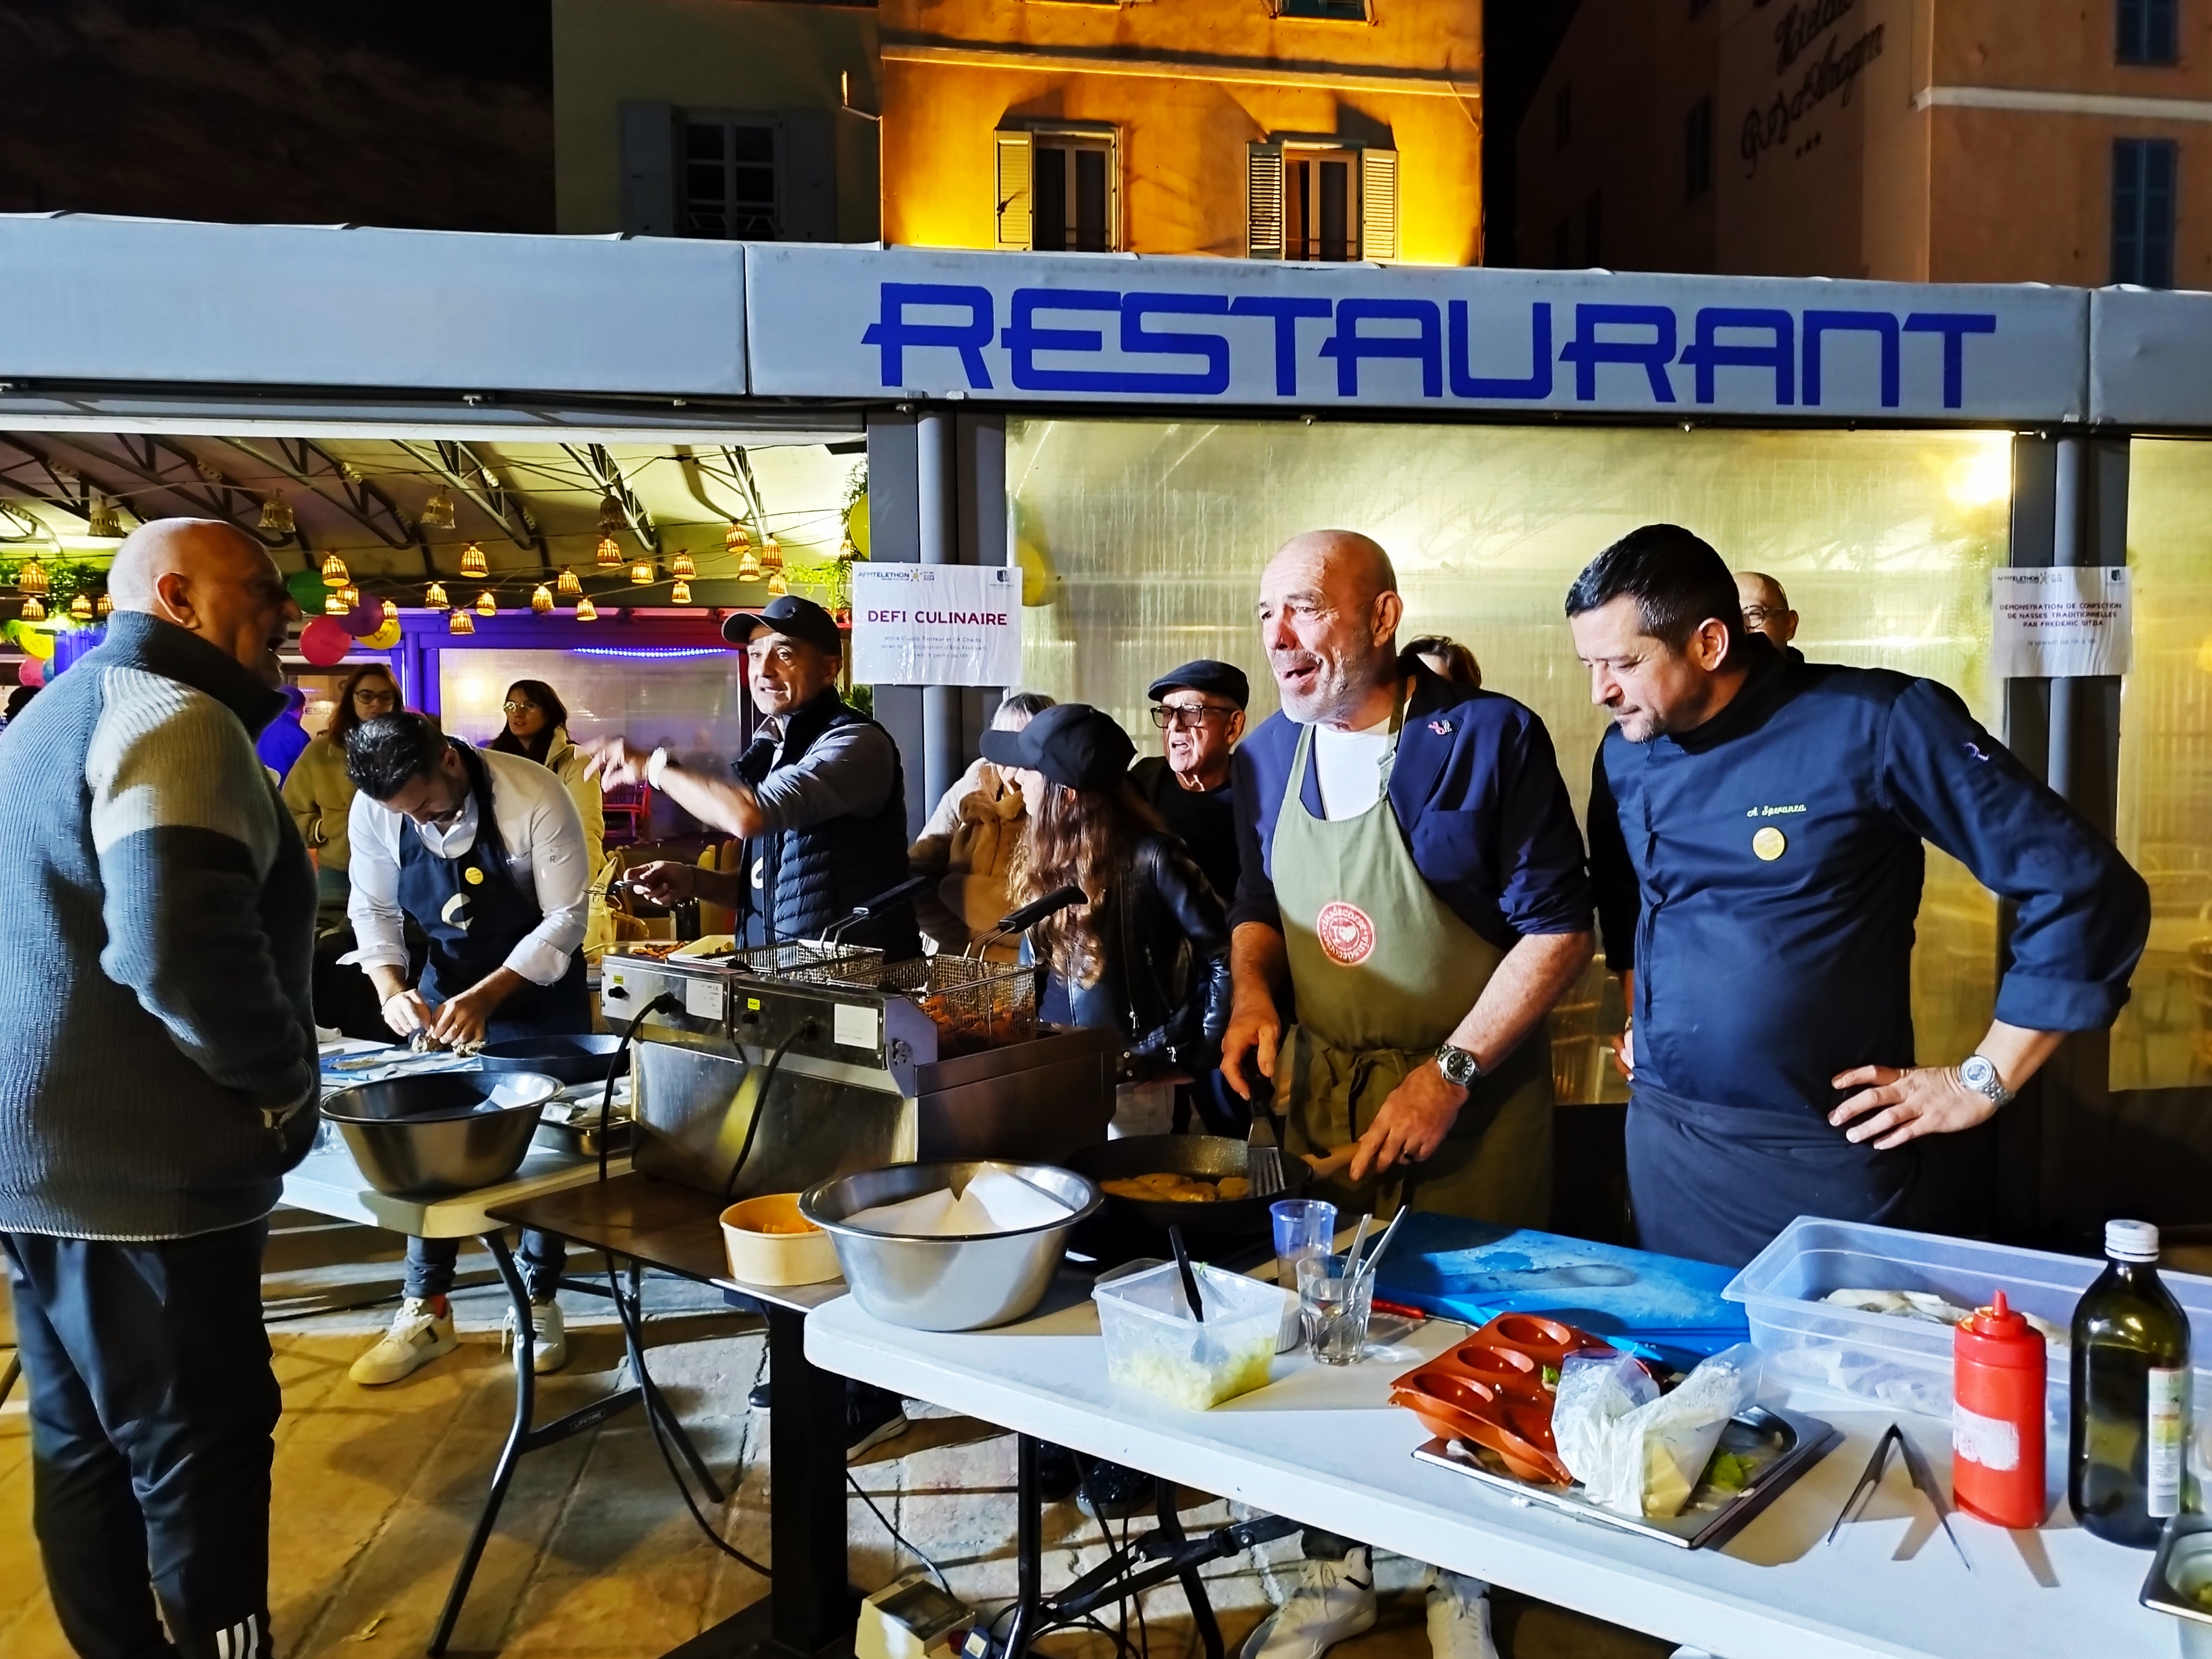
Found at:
<point>605,472</point>
<point>461,466</point>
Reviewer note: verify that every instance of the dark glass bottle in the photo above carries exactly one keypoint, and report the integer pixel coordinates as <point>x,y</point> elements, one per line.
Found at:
<point>2129,1421</point>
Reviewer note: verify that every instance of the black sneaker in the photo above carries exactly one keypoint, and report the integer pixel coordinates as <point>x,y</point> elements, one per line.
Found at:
<point>1121,1491</point>
<point>871,1417</point>
<point>1055,1473</point>
<point>759,1399</point>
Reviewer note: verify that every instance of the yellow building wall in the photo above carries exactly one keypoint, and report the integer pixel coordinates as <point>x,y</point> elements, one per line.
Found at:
<point>1182,131</point>
<point>704,54</point>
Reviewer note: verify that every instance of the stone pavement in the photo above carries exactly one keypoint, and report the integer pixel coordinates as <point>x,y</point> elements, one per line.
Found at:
<point>376,1490</point>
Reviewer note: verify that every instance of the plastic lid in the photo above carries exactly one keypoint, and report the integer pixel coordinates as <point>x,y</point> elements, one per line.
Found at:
<point>2132,1241</point>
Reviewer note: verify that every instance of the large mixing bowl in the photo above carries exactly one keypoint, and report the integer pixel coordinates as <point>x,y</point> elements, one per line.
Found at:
<point>952,1284</point>
<point>440,1131</point>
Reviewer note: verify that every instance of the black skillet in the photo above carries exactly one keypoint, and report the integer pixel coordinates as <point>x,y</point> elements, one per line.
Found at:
<point>1208,1157</point>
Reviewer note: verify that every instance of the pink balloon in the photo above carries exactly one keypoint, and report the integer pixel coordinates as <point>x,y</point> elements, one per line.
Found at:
<point>32,674</point>
<point>324,642</point>
<point>364,619</point>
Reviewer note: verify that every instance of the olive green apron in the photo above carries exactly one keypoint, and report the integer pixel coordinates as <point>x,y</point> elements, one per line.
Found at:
<point>1383,971</point>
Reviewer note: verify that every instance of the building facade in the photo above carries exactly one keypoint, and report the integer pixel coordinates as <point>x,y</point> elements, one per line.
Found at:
<point>1965,141</point>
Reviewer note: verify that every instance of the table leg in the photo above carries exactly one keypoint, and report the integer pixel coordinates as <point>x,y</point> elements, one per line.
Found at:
<point>1028,1548</point>
<point>1193,1586</point>
<point>655,1401</point>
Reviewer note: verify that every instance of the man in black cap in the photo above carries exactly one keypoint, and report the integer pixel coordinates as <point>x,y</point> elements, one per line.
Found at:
<point>1200,711</point>
<point>818,797</point>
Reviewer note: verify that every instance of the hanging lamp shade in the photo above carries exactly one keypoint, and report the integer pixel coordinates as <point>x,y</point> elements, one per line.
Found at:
<point>104,522</point>
<point>81,608</point>
<point>437,511</point>
<point>586,610</point>
<point>611,514</point>
<point>434,598</point>
<point>334,603</point>
<point>460,622</point>
<point>749,567</point>
<point>609,553</point>
<point>568,587</point>
<point>736,540</point>
<point>472,560</point>
<point>334,571</point>
<point>391,610</point>
<point>349,595</point>
<point>542,601</point>
<point>682,565</point>
<point>277,514</point>
<point>486,605</point>
<point>34,611</point>
<point>641,573</point>
<point>104,606</point>
<point>681,592</point>
<point>31,578</point>
<point>777,587</point>
<point>771,554</point>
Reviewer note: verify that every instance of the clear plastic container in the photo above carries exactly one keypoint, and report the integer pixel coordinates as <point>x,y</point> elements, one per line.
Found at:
<point>1906,1363</point>
<point>1153,1344</point>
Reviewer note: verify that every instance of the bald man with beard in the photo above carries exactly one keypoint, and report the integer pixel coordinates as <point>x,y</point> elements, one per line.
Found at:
<point>160,1079</point>
<point>1411,894</point>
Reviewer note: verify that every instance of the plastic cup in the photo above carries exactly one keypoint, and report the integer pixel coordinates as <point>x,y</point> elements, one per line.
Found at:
<point>1305,1227</point>
<point>1334,1302</point>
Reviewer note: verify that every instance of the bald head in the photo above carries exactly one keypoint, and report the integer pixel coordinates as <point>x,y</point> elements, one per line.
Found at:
<point>1329,618</point>
<point>210,578</point>
<point>1766,607</point>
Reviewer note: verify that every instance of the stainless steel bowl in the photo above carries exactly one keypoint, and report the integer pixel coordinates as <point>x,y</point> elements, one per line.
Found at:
<point>953,1284</point>
<point>440,1131</point>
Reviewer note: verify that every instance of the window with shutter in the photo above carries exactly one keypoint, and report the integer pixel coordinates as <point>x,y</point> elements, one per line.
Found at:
<point>1263,201</point>
<point>1074,191</point>
<point>1378,204</point>
<point>1321,203</point>
<point>1015,155</point>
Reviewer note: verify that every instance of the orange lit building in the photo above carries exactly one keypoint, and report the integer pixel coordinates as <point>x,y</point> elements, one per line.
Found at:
<point>2054,141</point>
<point>1266,129</point>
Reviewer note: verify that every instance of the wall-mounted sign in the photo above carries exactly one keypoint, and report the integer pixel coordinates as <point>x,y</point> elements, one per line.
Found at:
<point>846,322</point>
<point>2061,623</point>
<point>937,624</point>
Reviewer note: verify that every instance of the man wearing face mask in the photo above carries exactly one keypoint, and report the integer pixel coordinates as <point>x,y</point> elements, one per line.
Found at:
<point>1755,825</point>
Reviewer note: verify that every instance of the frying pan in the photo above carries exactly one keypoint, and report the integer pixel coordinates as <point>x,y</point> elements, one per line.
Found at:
<point>581,1059</point>
<point>1209,1158</point>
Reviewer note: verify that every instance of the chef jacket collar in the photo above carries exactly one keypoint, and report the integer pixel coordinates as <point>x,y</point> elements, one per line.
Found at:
<point>1762,692</point>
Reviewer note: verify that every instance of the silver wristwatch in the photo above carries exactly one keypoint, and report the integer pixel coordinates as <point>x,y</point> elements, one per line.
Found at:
<point>1981,1076</point>
<point>1459,1068</point>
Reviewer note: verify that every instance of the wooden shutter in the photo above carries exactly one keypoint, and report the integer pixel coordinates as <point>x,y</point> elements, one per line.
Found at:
<point>648,169</point>
<point>1263,201</point>
<point>1015,156</point>
<point>1378,204</point>
<point>807,163</point>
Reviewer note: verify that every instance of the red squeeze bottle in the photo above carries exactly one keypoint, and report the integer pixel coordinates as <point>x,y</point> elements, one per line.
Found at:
<point>1997,1417</point>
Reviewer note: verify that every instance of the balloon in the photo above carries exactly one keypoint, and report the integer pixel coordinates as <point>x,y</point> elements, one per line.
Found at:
<point>856,524</point>
<point>364,619</point>
<point>32,674</point>
<point>36,640</point>
<point>308,591</point>
<point>387,636</point>
<point>322,643</point>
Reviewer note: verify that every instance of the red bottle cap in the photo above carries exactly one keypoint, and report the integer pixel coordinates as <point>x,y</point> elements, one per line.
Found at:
<point>1996,1335</point>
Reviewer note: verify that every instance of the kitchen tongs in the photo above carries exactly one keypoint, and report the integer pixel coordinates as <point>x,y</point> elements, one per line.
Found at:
<point>1924,1479</point>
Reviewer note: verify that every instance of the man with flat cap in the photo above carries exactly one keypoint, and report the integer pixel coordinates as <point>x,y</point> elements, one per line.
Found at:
<point>818,796</point>
<point>1200,711</point>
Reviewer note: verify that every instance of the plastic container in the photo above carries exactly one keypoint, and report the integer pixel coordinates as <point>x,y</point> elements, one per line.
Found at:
<point>1998,1379</point>
<point>1153,1344</point>
<point>1905,1364</point>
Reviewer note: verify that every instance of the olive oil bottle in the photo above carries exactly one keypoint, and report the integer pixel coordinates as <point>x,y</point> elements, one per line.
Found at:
<point>2129,1417</point>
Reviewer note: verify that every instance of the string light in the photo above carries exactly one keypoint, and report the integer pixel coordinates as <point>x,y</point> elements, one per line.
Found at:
<point>487,605</point>
<point>104,524</point>
<point>609,553</point>
<point>434,598</point>
<point>391,610</point>
<point>104,606</point>
<point>334,603</point>
<point>277,514</point>
<point>460,622</point>
<point>472,560</point>
<point>736,540</point>
<point>31,579</point>
<point>437,511</point>
<point>777,587</point>
<point>749,570</point>
<point>349,596</point>
<point>586,610</point>
<point>682,565</point>
<point>611,514</point>
<point>80,609</point>
<point>771,555</point>
<point>334,571</point>
<point>541,602</point>
<point>567,585</point>
<point>681,592</point>
<point>32,610</point>
<point>641,573</point>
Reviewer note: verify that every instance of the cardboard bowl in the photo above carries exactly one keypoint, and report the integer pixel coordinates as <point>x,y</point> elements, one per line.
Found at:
<point>769,1243</point>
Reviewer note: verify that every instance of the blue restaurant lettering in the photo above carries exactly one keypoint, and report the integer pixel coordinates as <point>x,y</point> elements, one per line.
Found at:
<point>1782,352</point>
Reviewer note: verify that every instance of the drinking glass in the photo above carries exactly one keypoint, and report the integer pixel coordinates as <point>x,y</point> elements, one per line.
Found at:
<point>1334,1302</point>
<point>1303,1227</point>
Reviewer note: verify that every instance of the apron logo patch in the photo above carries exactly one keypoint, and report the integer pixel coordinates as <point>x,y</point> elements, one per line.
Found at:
<point>1770,844</point>
<point>1347,936</point>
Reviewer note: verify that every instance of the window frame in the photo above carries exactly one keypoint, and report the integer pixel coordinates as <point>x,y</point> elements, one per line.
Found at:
<point>729,121</point>
<point>1282,9</point>
<point>1015,217</point>
<point>2145,232</point>
<point>2138,26</point>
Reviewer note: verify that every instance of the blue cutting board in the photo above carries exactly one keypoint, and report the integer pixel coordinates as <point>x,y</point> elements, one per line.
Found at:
<point>1661,1305</point>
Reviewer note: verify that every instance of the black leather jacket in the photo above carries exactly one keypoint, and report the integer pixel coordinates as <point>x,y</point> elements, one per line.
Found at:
<point>1164,986</point>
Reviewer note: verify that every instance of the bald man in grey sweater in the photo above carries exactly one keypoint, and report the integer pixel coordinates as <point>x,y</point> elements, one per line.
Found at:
<point>157,1077</point>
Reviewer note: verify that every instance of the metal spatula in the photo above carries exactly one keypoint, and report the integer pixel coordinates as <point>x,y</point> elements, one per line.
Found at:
<point>1263,1160</point>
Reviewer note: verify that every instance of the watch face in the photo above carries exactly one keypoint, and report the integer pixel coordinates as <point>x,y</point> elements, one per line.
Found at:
<point>1978,1074</point>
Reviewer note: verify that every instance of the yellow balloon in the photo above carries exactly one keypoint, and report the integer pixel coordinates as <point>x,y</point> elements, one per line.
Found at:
<point>387,636</point>
<point>856,524</point>
<point>37,642</point>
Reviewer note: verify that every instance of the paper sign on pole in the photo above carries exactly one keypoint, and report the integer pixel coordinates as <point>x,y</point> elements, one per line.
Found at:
<point>2066,622</point>
<point>937,624</point>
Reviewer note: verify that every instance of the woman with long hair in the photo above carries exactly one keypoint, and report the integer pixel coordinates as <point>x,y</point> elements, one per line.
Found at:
<point>1442,655</point>
<point>316,788</point>
<point>537,729</point>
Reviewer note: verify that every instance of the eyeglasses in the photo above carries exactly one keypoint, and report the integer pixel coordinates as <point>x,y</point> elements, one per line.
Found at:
<point>1188,716</point>
<point>368,699</point>
<point>1758,616</point>
<point>519,708</point>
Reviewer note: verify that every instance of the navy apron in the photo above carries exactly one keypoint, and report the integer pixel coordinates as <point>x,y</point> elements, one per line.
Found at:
<point>475,913</point>
<point>1717,1183</point>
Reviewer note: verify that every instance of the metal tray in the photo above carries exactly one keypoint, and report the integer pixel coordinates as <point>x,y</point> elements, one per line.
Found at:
<point>2184,1535</point>
<point>1799,1443</point>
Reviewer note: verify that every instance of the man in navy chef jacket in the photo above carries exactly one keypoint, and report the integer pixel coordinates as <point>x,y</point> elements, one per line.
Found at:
<point>1755,828</point>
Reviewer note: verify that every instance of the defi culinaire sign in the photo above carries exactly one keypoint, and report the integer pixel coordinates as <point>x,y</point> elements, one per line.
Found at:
<point>867,323</point>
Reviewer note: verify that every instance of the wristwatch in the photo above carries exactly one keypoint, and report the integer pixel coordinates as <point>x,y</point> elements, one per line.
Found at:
<point>1981,1076</point>
<point>1459,1068</point>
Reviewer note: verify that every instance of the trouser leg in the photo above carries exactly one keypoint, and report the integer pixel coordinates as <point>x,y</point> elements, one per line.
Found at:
<point>545,1259</point>
<point>167,1342</point>
<point>430,1266</point>
<point>1318,1546</point>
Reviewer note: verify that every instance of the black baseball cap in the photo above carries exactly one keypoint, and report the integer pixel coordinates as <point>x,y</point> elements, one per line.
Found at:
<point>1223,679</point>
<point>802,619</point>
<point>1070,743</point>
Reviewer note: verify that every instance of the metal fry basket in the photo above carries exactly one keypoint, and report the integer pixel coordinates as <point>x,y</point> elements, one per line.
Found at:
<point>977,1004</point>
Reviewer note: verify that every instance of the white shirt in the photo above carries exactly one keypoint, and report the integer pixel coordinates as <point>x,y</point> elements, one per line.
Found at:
<point>545,841</point>
<point>1349,767</point>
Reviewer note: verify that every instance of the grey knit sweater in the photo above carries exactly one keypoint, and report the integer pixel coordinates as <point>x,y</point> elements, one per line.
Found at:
<point>157,1045</point>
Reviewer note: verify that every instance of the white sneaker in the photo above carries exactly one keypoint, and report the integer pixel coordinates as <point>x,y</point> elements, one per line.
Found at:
<point>549,1347</point>
<point>419,1334</point>
<point>1332,1600</point>
<point>1459,1617</point>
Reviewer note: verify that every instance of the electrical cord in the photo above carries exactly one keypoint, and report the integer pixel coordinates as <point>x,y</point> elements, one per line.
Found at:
<point>629,1317</point>
<point>667,1000</point>
<point>805,1027</point>
<point>903,1542</point>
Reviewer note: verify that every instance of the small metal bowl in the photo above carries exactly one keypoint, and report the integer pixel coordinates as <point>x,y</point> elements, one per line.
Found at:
<point>945,1284</point>
<point>440,1133</point>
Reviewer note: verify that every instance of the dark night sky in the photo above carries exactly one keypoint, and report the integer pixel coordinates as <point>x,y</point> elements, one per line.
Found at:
<point>1519,36</point>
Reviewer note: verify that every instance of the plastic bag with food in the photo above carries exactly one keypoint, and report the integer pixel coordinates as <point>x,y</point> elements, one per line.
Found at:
<point>1598,1389</point>
<point>1645,1458</point>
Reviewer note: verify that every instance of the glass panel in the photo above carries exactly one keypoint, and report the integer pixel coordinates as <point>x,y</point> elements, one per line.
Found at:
<point>1090,199</point>
<point>702,141</point>
<point>2163,1038</point>
<point>752,144</point>
<point>1298,235</point>
<point>1149,538</point>
<point>1049,200</point>
<point>1335,211</point>
<point>691,704</point>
